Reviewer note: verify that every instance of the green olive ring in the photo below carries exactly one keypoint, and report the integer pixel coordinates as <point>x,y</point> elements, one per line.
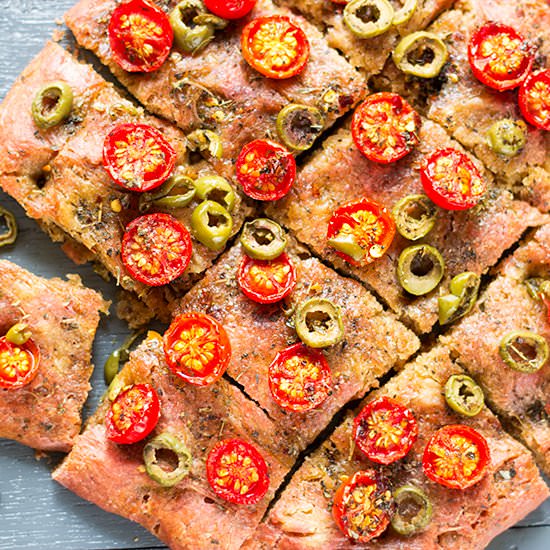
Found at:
<point>421,54</point>
<point>205,140</point>
<point>9,236</point>
<point>118,358</point>
<point>414,216</point>
<point>18,334</point>
<point>155,471</point>
<point>263,239</point>
<point>211,224</point>
<point>177,192</point>
<point>463,395</point>
<point>413,510</point>
<point>318,323</point>
<point>189,38</point>
<point>420,269</point>
<point>378,13</point>
<point>217,189</point>
<point>524,351</point>
<point>464,291</point>
<point>404,14</point>
<point>52,104</point>
<point>507,137</point>
<point>298,126</point>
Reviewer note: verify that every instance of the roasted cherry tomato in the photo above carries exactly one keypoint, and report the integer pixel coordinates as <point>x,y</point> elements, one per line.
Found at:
<point>230,9</point>
<point>385,127</point>
<point>451,180</point>
<point>237,472</point>
<point>534,99</point>
<point>275,47</point>
<point>266,170</point>
<point>133,415</point>
<point>138,157</point>
<point>18,363</point>
<point>456,456</point>
<point>385,430</point>
<point>140,35</point>
<point>299,378</point>
<point>499,56</point>
<point>363,506</point>
<point>197,348</point>
<point>266,281</point>
<point>361,231</point>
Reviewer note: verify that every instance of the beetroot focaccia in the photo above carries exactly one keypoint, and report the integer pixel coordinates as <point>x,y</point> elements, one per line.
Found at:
<point>522,398</point>
<point>216,88</point>
<point>61,317</point>
<point>461,519</point>
<point>471,240</point>
<point>189,514</point>
<point>373,342</point>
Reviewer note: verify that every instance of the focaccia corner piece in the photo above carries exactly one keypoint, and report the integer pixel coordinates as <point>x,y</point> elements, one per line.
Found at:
<point>461,519</point>
<point>62,317</point>
<point>189,514</point>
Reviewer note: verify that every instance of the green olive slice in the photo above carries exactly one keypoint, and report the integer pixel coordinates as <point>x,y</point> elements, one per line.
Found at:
<point>420,269</point>
<point>188,35</point>
<point>205,140</point>
<point>298,126</point>
<point>524,351</point>
<point>19,334</point>
<point>318,323</point>
<point>212,224</point>
<point>9,233</point>
<point>52,104</point>
<point>210,19</point>
<point>217,189</point>
<point>464,290</point>
<point>534,287</point>
<point>421,54</point>
<point>404,14</point>
<point>263,239</point>
<point>154,468</point>
<point>463,395</point>
<point>507,137</point>
<point>413,510</point>
<point>177,192</point>
<point>118,358</point>
<point>414,216</point>
<point>368,18</point>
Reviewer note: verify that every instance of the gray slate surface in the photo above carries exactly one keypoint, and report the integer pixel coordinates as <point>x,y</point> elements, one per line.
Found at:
<point>36,512</point>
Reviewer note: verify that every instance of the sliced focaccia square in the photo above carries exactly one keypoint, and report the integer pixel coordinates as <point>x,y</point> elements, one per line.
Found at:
<point>504,345</point>
<point>215,87</point>
<point>301,388</point>
<point>429,515</point>
<point>168,493</point>
<point>47,327</point>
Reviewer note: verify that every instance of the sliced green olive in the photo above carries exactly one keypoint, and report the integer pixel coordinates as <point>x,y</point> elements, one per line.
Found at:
<point>205,140</point>
<point>507,137</point>
<point>211,224</point>
<point>368,18</point>
<point>155,470</point>
<point>177,192</point>
<point>403,14</point>
<point>415,216</point>
<point>347,244</point>
<point>9,234</point>
<point>210,19</point>
<point>421,54</point>
<point>413,510</point>
<point>318,323</point>
<point>464,290</point>
<point>19,334</point>
<point>188,35</point>
<point>298,126</point>
<point>463,395</point>
<point>534,287</point>
<point>420,269</point>
<point>52,104</point>
<point>524,351</point>
<point>118,358</point>
<point>217,189</point>
<point>263,239</point>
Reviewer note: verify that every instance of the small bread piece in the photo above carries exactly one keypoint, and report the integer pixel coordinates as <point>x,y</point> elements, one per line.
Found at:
<point>374,341</point>
<point>62,317</point>
<point>467,519</point>
<point>188,515</point>
<point>523,400</point>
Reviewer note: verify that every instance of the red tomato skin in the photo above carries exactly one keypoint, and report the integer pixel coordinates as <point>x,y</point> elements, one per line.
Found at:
<point>33,354</point>
<point>407,441</point>
<point>145,424</point>
<point>230,9</point>
<point>533,118</point>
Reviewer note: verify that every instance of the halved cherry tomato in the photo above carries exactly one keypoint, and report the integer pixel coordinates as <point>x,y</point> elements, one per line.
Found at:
<point>156,249</point>
<point>534,99</point>
<point>385,430</point>
<point>266,281</point>
<point>237,472</point>
<point>197,348</point>
<point>266,170</point>
<point>385,127</point>
<point>275,46</point>
<point>361,231</point>
<point>18,363</point>
<point>299,378</point>
<point>140,36</point>
<point>230,9</point>
<point>138,157</point>
<point>363,506</point>
<point>133,414</point>
<point>499,56</point>
<point>456,456</point>
<point>451,180</point>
